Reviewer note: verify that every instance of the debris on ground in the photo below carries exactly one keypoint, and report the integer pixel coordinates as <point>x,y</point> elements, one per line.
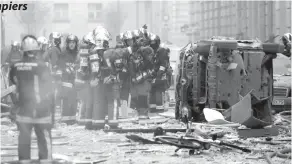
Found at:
<point>162,141</point>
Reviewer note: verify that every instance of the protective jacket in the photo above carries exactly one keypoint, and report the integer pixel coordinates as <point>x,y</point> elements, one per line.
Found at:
<point>35,90</point>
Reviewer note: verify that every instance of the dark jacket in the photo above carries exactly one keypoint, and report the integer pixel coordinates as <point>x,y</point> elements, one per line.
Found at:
<point>67,64</point>
<point>34,87</point>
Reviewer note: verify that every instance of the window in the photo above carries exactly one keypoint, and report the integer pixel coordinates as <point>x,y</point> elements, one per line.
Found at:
<point>61,12</point>
<point>94,11</point>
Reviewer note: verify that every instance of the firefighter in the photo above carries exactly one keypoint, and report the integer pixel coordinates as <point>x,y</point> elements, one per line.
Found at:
<point>286,39</point>
<point>98,72</point>
<point>141,67</point>
<point>33,110</point>
<point>66,65</point>
<point>51,57</point>
<point>43,44</point>
<point>119,40</point>
<point>54,51</point>
<point>82,80</point>
<point>15,53</point>
<point>144,31</point>
<point>162,78</point>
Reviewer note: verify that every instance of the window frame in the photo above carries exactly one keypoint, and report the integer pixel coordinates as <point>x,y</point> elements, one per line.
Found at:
<point>62,9</point>
<point>97,13</point>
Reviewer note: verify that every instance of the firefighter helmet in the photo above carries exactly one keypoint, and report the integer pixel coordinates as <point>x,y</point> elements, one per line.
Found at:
<point>121,36</point>
<point>154,38</point>
<point>143,30</point>
<point>29,44</point>
<point>42,40</point>
<point>72,37</point>
<point>55,35</point>
<point>137,34</point>
<point>15,43</point>
<point>128,35</point>
<point>88,38</point>
<point>55,38</point>
<point>287,37</point>
<point>100,33</point>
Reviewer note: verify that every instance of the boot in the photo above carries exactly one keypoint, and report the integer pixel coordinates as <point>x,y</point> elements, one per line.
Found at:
<point>143,113</point>
<point>88,126</point>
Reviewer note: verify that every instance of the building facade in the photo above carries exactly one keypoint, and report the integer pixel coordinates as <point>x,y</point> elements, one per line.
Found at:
<point>241,19</point>
<point>164,18</point>
<point>180,17</point>
<point>80,17</point>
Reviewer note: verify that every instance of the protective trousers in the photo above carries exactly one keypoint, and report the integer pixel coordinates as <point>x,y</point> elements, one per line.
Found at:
<point>69,104</point>
<point>124,98</point>
<point>112,97</point>
<point>97,110</point>
<point>84,104</point>
<point>156,100</point>
<point>139,98</point>
<point>44,140</point>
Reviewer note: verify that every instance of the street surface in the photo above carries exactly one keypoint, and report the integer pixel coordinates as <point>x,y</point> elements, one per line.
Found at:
<point>84,145</point>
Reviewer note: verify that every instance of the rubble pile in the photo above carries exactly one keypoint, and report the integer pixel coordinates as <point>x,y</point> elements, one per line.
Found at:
<point>77,145</point>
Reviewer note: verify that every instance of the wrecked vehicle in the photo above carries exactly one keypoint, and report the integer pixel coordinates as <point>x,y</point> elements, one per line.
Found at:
<point>282,84</point>
<point>215,73</point>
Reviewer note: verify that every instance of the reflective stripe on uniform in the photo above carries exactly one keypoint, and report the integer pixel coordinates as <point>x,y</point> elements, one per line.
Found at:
<point>83,120</point>
<point>162,68</point>
<point>49,146</point>
<point>43,120</point>
<point>36,88</point>
<point>46,161</point>
<point>152,105</point>
<point>67,84</point>
<point>130,50</point>
<point>113,121</point>
<point>97,121</point>
<point>159,107</point>
<point>68,118</point>
<point>24,161</point>
<point>58,72</point>
<point>87,120</point>
<point>79,81</point>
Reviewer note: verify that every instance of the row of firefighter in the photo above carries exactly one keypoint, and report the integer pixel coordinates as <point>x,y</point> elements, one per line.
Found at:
<point>136,72</point>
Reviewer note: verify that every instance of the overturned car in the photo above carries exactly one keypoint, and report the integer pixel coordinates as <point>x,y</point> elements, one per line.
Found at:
<point>216,73</point>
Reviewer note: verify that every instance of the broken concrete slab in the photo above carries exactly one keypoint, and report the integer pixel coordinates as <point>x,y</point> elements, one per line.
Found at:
<point>268,131</point>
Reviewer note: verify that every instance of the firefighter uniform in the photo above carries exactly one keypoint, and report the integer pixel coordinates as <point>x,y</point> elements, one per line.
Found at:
<point>82,85</point>
<point>101,93</point>
<point>66,65</point>
<point>51,57</point>
<point>97,111</point>
<point>141,67</point>
<point>163,74</point>
<point>34,87</point>
<point>15,54</point>
<point>117,81</point>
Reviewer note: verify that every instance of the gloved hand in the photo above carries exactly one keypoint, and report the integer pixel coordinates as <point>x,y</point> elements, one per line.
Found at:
<point>94,82</point>
<point>152,73</point>
<point>169,71</point>
<point>159,74</point>
<point>110,79</point>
